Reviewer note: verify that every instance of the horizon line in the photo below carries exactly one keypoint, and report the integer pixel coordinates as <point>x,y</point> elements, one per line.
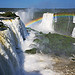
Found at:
<point>32,8</point>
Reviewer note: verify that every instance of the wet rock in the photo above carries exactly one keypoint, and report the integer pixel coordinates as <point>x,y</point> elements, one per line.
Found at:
<point>2,26</point>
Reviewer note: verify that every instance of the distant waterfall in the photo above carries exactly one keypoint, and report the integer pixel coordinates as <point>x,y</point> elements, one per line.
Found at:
<point>73,32</point>
<point>73,19</point>
<point>46,25</point>
<point>55,18</point>
<point>47,22</point>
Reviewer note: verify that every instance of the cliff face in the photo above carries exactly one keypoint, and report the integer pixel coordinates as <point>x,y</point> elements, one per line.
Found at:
<point>11,36</point>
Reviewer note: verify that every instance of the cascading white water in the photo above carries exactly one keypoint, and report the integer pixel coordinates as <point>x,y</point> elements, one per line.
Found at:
<point>17,27</point>
<point>46,25</point>
<point>11,50</point>
<point>73,33</point>
<point>8,53</point>
<point>73,19</point>
<point>55,19</point>
<point>47,22</point>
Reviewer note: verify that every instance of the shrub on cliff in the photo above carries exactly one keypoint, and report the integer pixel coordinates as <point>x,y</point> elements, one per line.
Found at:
<point>8,14</point>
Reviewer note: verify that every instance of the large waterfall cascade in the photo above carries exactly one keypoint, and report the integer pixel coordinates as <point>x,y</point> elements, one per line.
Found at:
<point>11,52</point>
<point>46,25</point>
<point>47,21</point>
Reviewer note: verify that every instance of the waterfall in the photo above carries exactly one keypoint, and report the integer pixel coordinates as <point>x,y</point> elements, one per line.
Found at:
<point>46,25</point>
<point>55,18</point>
<point>47,22</point>
<point>73,19</point>
<point>11,52</point>
<point>73,32</point>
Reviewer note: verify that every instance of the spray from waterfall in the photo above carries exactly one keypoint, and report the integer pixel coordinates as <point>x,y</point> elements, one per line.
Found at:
<point>25,15</point>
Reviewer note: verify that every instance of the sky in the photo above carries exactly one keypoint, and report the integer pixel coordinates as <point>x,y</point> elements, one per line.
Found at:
<point>37,3</point>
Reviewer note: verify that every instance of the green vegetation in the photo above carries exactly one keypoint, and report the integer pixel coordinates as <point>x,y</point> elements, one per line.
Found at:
<point>56,44</point>
<point>29,29</point>
<point>31,51</point>
<point>8,14</point>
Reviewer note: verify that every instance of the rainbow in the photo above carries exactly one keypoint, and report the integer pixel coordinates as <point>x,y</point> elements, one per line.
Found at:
<point>55,15</point>
<point>64,14</point>
<point>34,21</point>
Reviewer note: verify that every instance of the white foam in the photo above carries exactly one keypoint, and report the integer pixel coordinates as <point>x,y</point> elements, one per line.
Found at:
<point>37,62</point>
<point>41,63</point>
